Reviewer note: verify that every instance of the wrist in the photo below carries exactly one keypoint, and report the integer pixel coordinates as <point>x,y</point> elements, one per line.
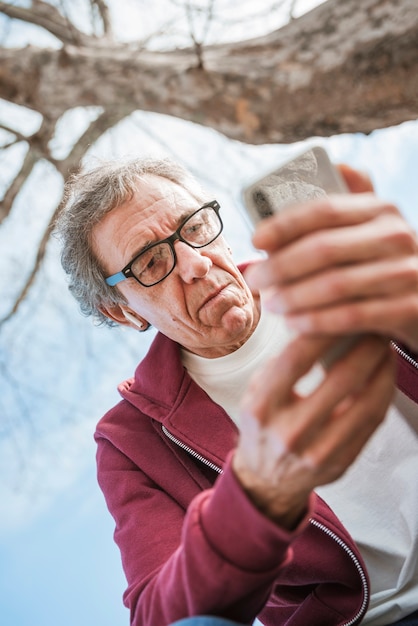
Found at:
<point>285,509</point>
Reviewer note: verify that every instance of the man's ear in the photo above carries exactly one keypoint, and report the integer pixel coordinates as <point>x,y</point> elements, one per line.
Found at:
<point>123,316</point>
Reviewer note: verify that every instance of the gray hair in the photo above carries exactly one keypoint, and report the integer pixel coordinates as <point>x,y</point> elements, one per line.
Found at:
<point>88,197</point>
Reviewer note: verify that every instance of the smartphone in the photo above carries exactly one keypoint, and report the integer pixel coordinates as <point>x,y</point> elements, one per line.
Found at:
<point>308,176</point>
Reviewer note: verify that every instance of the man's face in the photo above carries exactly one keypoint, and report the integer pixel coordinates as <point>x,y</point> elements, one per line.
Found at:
<point>204,304</point>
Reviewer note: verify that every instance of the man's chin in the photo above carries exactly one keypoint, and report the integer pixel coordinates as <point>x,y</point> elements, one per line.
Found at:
<point>237,320</point>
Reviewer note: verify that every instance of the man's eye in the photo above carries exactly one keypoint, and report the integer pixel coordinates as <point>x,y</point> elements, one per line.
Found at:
<point>148,261</point>
<point>156,256</point>
<point>194,228</point>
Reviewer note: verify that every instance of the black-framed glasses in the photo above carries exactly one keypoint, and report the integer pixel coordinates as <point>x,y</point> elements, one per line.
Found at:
<point>159,259</point>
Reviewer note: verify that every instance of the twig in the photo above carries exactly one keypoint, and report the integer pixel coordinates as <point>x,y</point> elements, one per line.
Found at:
<point>65,167</point>
<point>46,16</point>
<point>104,13</point>
<point>17,183</point>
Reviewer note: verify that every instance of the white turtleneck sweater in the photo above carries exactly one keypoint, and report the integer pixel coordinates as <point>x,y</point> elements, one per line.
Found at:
<point>376,499</point>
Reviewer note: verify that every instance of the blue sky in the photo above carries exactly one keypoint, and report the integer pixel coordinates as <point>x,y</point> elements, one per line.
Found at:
<point>58,373</point>
<point>62,568</point>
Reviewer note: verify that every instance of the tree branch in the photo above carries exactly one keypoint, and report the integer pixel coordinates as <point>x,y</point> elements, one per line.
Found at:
<point>66,167</point>
<point>292,9</point>
<point>198,42</point>
<point>38,148</point>
<point>38,261</point>
<point>17,183</point>
<point>104,13</point>
<point>145,41</point>
<point>106,120</point>
<point>46,16</point>
<point>343,67</point>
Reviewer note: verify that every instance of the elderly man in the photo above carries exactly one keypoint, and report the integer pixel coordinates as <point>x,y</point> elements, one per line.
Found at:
<point>214,463</point>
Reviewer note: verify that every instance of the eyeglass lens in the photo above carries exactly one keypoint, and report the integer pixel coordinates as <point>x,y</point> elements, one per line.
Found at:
<point>155,263</point>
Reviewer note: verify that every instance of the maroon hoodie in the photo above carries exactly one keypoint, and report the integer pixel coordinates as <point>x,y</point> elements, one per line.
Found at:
<point>191,541</point>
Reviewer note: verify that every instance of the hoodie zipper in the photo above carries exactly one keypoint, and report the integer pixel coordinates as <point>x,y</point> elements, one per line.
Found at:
<point>190,451</point>
<point>312,521</point>
<point>356,562</point>
<point>404,355</point>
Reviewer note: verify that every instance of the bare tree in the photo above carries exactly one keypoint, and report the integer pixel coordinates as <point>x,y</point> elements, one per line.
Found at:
<point>346,66</point>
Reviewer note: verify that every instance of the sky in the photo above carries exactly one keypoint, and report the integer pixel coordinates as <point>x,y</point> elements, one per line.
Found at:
<point>58,372</point>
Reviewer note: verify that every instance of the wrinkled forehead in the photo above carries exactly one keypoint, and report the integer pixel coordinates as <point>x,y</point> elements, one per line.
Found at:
<point>157,198</point>
<point>151,213</point>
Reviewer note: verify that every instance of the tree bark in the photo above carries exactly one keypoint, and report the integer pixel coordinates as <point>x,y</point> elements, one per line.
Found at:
<point>347,66</point>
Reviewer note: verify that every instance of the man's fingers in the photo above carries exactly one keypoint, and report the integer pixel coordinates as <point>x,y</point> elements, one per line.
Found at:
<point>349,375</point>
<point>346,378</point>
<point>273,384</point>
<point>384,236</point>
<point>379,315</point>
<point>272,393</point>
<point>312,440</point>
<point>345,436</point>
<point>357,181</point>
<point>330,212</point>
<point>378,280</point>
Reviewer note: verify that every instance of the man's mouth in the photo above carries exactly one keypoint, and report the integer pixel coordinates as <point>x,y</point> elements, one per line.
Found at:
<point>212,296</point>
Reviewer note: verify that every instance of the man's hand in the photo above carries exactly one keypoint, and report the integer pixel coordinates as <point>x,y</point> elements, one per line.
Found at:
<point>343,265</point>
<point>289,443</point>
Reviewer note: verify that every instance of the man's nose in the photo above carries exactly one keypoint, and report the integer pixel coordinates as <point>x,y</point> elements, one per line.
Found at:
<point>191,264</point>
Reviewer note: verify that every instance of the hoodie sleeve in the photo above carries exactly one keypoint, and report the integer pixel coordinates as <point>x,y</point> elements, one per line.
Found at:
<point>220,556</point>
